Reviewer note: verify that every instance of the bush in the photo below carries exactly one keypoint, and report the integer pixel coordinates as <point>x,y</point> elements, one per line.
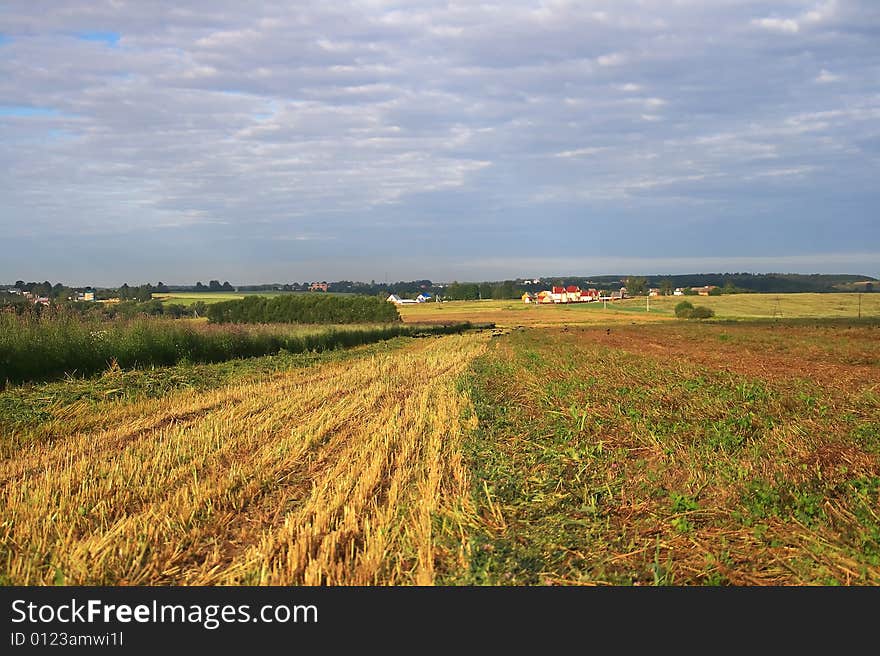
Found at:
<point>684,309</point>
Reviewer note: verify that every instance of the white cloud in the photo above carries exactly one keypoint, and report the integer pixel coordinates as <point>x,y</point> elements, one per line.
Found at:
<point>787,25</point>
<point>826,76</point>
<point>613,59</point>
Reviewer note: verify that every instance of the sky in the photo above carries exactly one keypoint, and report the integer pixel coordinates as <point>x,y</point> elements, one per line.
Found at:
<point>281,141</point>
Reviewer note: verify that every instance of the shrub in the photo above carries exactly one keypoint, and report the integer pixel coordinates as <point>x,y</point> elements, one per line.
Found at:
<point>701,312</point>
<point>684,309</point>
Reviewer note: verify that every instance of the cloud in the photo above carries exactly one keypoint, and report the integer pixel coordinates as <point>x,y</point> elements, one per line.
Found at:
<point>788,25</point>
<point>349,128</point>
<point>825,77</point>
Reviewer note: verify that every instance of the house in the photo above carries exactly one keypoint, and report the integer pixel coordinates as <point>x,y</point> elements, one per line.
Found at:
<point>654,291</point>
<point>679,291</point>
<point>423,297</point>
<point>704,291</point>
<point>589,295</point>
<point>394,298</point>
<point>85,296</point>
<point>557,294</point>
<point>318,287</point>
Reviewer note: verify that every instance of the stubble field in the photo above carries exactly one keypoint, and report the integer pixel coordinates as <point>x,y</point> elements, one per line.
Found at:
<point>624,449</point>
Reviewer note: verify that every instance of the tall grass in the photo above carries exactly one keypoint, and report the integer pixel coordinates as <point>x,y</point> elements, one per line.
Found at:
<point>38,348</point>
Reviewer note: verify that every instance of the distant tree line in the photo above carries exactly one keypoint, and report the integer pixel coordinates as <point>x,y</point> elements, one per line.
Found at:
<point>17,304</point>
<point>779,283</point>
<point>727,283</point>
<point>304,308</point>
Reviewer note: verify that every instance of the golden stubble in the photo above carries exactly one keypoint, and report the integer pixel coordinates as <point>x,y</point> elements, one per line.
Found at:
<point>334,475</point>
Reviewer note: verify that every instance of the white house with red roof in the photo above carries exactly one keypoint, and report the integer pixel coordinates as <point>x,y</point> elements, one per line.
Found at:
<point>569,294</point>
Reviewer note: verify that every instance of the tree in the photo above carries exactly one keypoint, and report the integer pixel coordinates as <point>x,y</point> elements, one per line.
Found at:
<point>200,287</point>
<point>215,286</point>
<point>636,285</point>
<point>684,309</point>
<point>666,287</point>
<point>227,287</point>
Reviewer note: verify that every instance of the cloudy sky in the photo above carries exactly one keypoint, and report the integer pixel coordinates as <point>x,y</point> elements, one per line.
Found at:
<point>294,140</point>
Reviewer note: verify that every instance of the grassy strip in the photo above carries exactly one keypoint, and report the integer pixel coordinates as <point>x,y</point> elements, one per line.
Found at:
<point>45,348</point>
<point>598,466</point>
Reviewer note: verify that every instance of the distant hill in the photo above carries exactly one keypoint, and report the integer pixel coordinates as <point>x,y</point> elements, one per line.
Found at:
<point>779,283</point>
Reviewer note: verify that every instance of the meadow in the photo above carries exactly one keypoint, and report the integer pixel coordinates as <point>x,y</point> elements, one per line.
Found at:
<point>189,298</point>
<point>571,445</point>
<point>511,313</point>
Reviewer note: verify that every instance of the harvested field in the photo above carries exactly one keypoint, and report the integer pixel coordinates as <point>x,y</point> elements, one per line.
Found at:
<point>661,453</point>
<point>327,475</point>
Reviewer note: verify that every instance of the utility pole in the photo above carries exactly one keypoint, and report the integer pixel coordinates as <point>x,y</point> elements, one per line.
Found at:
<point>860,305</point>
<point>648,302</point>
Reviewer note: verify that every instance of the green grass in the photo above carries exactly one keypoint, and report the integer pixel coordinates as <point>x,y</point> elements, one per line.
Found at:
<point>596,465</point>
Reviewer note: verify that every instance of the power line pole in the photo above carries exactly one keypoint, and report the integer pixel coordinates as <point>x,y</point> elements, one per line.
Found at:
<point>860,305</point>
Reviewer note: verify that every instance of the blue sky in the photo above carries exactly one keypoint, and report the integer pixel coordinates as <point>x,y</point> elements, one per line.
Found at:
<point>276,141</point>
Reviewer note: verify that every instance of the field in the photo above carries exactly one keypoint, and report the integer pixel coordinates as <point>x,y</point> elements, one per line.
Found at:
<point>733,306</point>
<point>188,298</point>
<point>574,446</point>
